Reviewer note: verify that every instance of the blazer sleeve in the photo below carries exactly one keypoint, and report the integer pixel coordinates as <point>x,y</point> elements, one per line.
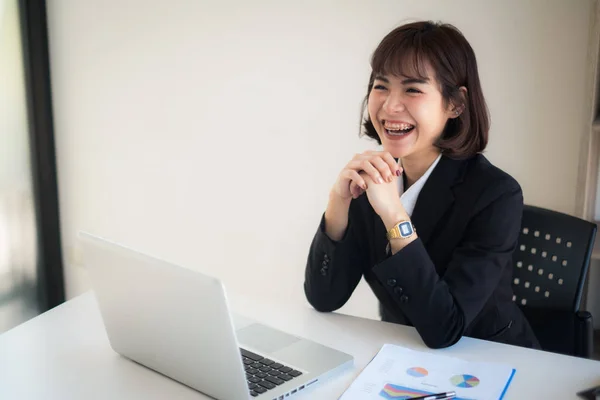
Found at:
<point>334,268</point>
<point>441,308</point>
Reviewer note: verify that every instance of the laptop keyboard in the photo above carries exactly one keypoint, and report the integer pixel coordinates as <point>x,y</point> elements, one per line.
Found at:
<point>264,374</point>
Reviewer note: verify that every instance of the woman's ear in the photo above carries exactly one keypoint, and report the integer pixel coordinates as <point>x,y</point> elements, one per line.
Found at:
<point>457,109</point>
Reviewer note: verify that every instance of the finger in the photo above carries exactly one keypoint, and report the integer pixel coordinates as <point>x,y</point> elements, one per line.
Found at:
<point>361,156</point>
<point>365,166</point>
<point>354,177</point>
<point>373,172</point>
<point>354,189</point>
<point>366,155</point>
<point>393,164</point>
<point>383,168</point>
<point>357,191</point>
<point>354,186</point>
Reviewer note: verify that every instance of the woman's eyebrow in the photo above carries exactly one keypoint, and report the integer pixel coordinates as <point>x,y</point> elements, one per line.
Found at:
<point>406,81</point>
<point>409,81</point>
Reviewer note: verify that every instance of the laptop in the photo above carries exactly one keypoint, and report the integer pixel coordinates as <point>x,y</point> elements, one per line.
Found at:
<point>177,322</point>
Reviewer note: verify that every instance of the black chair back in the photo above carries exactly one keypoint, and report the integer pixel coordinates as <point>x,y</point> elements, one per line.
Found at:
<point>552,259</point>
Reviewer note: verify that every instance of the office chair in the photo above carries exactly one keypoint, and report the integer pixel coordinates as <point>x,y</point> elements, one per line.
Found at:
<point>551,263</point>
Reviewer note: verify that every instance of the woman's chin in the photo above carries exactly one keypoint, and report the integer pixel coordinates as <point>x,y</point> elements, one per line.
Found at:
<point>397,151</point>
<point>399,148</point>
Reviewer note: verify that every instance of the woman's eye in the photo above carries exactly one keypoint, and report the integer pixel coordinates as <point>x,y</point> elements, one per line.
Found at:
<point>379,87</point>
<point>413,90</point>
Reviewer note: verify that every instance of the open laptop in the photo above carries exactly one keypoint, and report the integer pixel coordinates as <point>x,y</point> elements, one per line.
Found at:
<point>177,322</point>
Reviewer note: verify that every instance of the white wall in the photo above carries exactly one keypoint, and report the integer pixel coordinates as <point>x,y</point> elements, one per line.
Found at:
<point>210,132</point>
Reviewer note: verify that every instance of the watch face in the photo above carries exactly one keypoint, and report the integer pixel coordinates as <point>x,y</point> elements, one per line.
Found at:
<point>405,229</point>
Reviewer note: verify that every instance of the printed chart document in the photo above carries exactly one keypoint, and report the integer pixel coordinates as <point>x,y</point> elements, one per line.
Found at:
<point>400,373</point>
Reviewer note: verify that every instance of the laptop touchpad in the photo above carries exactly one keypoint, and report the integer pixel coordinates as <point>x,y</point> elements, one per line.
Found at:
<point>264,339</point>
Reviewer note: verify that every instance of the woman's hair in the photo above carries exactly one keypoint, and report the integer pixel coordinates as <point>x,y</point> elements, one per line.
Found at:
<point>407,50</point>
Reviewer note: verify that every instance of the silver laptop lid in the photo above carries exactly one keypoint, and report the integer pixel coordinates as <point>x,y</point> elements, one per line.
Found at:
<point>171,319</point>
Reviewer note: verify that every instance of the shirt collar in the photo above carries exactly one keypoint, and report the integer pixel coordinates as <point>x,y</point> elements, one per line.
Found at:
<point>409,197</point>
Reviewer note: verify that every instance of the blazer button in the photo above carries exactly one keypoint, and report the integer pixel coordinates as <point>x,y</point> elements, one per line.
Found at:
<point>404,299</point>
<point>391,282</point>
<point>323,271</point>
<point>398,290</point>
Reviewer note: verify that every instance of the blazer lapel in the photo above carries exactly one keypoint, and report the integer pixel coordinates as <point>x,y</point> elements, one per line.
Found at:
<point>436,196</point>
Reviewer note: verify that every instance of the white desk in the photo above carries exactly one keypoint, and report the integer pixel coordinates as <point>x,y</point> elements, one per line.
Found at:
<point>64,354</point>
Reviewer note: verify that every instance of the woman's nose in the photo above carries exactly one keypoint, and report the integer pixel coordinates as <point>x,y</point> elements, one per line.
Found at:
<point>394,103</point>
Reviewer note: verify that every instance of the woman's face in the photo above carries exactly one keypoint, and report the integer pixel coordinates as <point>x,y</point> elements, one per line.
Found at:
<point>408,114</point>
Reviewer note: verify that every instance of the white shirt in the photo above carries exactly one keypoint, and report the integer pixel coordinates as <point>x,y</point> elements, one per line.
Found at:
<point>409,198</point>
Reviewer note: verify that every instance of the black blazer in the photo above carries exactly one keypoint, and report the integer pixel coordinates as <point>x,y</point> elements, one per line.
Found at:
<point>455,279</point>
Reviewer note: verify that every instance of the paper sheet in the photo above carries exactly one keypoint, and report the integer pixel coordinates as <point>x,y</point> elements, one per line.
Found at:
<point>400,373</point>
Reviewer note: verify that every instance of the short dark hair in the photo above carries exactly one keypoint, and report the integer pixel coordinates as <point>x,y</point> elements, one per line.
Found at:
<point>406,50</point>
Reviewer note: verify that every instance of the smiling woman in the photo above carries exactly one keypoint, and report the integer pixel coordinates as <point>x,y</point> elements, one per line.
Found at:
<point>431,77</point>
<point>429,222</point>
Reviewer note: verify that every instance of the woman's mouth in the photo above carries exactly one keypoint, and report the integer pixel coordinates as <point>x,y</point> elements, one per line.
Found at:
<point>398,129</point>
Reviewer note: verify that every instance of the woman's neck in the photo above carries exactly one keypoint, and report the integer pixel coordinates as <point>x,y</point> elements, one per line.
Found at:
<point>415,165</point>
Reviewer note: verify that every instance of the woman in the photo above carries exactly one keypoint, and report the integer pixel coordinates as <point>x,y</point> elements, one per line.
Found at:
<point>429,222</point>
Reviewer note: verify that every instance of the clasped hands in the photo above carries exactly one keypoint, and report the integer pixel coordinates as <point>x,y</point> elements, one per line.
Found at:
<point>374,173</point>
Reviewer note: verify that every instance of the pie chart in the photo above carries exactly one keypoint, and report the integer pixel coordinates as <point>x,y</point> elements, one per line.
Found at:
<point>417,372</point>
<point>464,381</point>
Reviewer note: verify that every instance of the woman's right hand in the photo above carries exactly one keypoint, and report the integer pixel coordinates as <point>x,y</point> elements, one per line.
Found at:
<point>379,165</point>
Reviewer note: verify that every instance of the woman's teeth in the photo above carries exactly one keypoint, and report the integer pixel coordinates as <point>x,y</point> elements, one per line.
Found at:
<point>398,129</point>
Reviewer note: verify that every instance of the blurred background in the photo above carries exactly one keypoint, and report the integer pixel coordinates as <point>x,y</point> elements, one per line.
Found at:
<point>28,212</point>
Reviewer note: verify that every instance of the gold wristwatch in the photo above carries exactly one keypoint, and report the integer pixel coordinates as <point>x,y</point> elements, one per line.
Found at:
<point>401,230</point>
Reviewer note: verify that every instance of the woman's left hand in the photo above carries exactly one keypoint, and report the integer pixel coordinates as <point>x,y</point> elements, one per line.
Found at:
<point>385,200</point>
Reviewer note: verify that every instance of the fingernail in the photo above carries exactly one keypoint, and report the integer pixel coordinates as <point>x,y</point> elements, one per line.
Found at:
<point>364,186</point>
<point>379,180</point>
<point>398,172</point>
